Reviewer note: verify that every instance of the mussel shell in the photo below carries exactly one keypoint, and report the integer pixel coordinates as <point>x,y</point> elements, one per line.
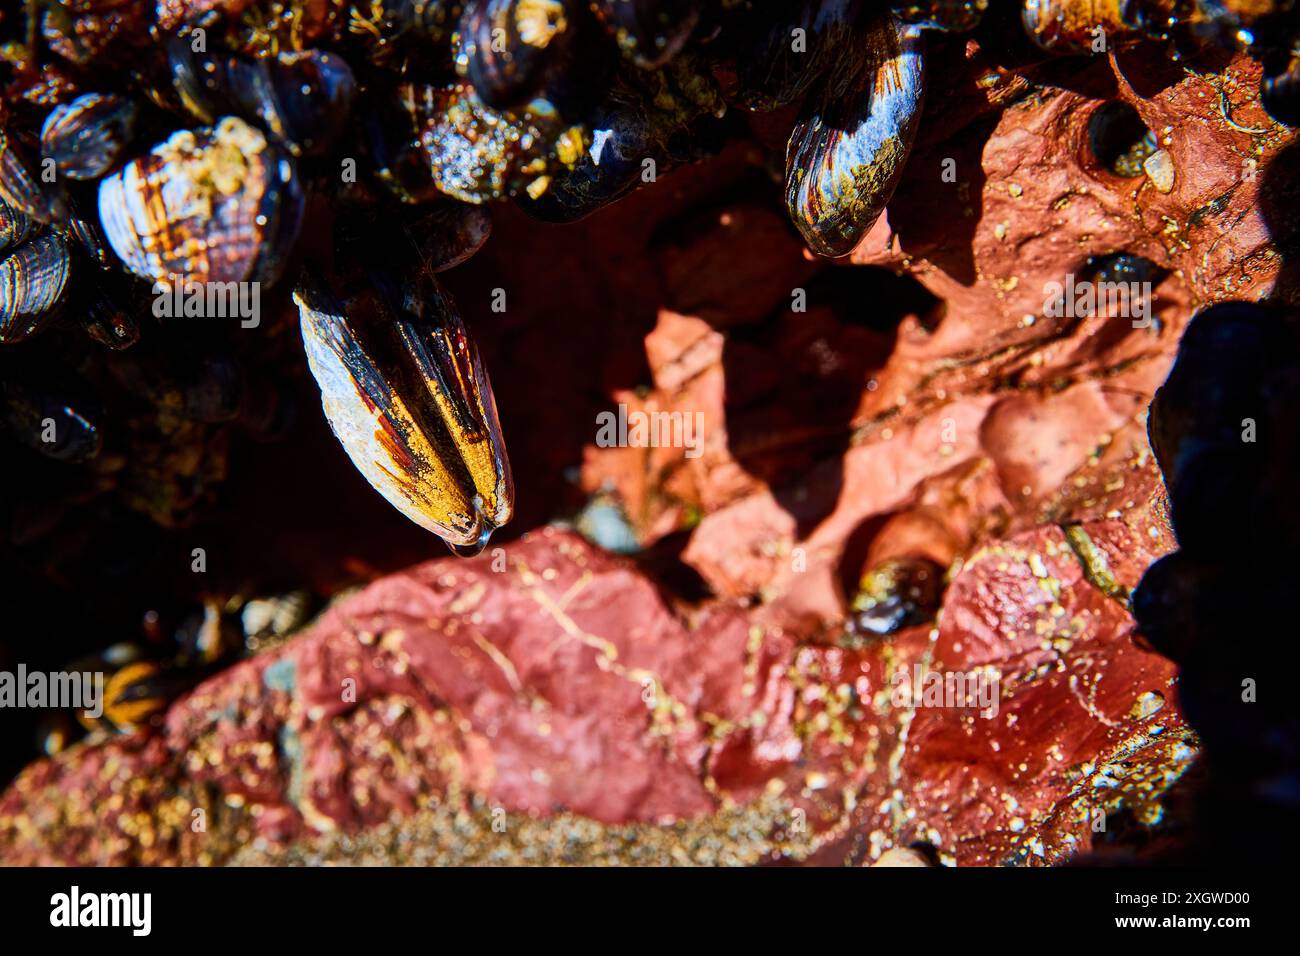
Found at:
<point>32,281</point>
<point>21,185</point>
<point>846,153</point>
<point>408,398</point>
<point>89,238</point>
<point>771,73</point>
<point>15,225</point>
<point>88,136</point>
<point>220,204</point>
<point>1118,139</point>
<point>668,117</point>
<point>510,45</point>
<point>108,310</point>
<point>391,135</point>
<point>1123,268</point>
<point>28,409</point>
<point>953,16</point>
<point>611,169</point>
<point>137,694</point>
<point>1279,93</point>
<point>276,615</point>
<point>897,593</point>
<point>651,32</point>
<point>1067,26</point>
<point>449,234</point>
<point>303,99</point>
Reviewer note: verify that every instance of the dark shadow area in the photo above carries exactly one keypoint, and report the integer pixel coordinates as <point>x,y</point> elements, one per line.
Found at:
<point>795,380</point>
<point>676,580</point>
<point>947,161</point>
<point>1129,841</point>
<point>1118,139</point>
<point>954,169</point>
<point>1279,200</point>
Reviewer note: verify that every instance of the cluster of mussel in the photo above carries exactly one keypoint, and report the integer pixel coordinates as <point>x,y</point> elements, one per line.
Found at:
<point>160,155</point>
<point>177,647</point>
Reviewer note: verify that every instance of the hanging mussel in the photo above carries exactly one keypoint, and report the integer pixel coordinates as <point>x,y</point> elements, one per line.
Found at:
<point>847,153</point>
<point>406,394</point>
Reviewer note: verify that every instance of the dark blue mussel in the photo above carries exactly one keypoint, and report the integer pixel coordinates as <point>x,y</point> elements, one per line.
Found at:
<point>88,136</point>
<point>847,153</point>
<point>391,135</point>
<point>33,277</point>
<point>302,98</point>
<point>1279,90</point>
<point>56,421</point>
<point>646,123</point>
<point>516,50</point>
<point>26,185</point>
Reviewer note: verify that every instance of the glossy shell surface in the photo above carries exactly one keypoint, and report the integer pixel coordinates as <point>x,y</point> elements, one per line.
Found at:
<point>216,205</point>
<point>408,398</point>
<point>847,153</point>
<point>87,137</point>
<point>32,281</point>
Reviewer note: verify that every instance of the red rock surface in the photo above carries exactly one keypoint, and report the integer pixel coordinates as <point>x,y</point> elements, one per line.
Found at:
<point>564,687</point>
